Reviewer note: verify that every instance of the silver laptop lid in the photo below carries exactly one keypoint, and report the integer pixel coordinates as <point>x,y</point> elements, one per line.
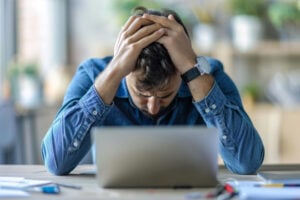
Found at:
<point>147,156</point>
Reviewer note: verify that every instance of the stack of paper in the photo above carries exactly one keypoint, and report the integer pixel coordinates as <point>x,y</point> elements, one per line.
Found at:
<point>280,176</point>
<point>254,192</point>
<point>274,185</point>
<point>16,186</point>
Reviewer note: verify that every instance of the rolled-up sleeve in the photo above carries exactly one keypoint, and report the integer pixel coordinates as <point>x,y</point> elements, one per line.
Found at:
<point>68,139</point>
<point>240,145</point>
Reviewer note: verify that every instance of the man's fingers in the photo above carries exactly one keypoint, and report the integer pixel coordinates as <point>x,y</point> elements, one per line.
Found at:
<point>136,25</point>
<point>173,28</point>
<point>144,42</point>
<point>129,28</point>
<point>169,22</point>
<point>129,22</point>
<point>143,32</point>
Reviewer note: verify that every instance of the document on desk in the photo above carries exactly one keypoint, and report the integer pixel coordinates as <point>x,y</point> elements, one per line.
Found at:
<point>15,186</point>
<point>253,190</point>
<point>5,193</point>
<point>20,182</point>
<point>283,177</point>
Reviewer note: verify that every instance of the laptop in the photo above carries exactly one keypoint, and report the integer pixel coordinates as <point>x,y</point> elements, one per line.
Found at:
<point>156,157</point>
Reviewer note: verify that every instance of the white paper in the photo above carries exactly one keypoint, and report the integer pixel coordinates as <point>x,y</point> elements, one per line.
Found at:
<point>286,177</point>
<point>255,193</point>
<point>16,186</point>
<point>20,182</point>
<point>249,190</point>
<point>13,193</point>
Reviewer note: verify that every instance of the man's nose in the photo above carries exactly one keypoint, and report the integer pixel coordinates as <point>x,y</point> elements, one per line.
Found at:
<point>153,105</point>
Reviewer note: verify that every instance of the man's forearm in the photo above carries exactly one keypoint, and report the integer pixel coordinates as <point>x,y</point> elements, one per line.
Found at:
<point>200,86</point>
<point>107,84</point>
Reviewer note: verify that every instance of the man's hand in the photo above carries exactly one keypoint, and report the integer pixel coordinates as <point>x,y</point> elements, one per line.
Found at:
<point>175,41</point>
<point>182,54</point>
<point>135,35</point>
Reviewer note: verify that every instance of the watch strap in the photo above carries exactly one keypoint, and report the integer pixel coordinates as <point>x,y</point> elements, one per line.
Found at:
<point>191,74</point>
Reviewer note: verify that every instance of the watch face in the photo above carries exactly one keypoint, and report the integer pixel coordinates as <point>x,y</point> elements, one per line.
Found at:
<point>203,65</point>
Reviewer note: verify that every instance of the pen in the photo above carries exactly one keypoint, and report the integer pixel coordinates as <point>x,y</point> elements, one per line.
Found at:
<point>230,192</point>
<point>48,189</point>
<point>77,187</point>
<point>229,189</point>
<point>279,185</point>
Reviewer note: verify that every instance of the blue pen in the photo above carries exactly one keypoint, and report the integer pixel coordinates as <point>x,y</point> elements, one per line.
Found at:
<point>47,189</point>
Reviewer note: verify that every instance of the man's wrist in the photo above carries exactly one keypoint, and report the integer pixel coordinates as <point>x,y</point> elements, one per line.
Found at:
<point>201,67</point>
<point>200,87</point>
<point>191,74</point>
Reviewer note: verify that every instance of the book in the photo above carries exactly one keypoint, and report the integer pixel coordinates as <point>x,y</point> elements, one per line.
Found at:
<point>284,177</point>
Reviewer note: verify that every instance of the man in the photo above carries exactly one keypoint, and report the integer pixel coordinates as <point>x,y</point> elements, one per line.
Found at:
<point>154,78</point>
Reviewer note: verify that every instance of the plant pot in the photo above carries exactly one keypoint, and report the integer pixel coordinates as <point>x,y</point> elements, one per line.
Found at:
<point>27,91</point>
<point>247,31</point>
<point>204,37</point>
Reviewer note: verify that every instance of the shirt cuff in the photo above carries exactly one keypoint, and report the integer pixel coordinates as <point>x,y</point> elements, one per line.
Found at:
<point>93,104</point>
<point>213,103</point>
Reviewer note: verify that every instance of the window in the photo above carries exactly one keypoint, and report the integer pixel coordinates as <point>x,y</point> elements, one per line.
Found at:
<point>7,37</point>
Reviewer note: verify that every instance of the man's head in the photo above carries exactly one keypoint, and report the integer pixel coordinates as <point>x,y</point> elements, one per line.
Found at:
<point>154,61</point>
<point>155,81</point>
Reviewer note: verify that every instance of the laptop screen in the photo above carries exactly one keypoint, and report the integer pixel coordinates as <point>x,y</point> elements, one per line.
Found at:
<point>152,156</point>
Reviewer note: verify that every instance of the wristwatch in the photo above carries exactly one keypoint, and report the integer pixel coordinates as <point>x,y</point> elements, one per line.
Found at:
<point>201,67</point>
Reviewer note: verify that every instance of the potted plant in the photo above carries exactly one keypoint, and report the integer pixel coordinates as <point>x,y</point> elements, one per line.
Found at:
<point>246,22</point>
<point>249,8</point>
<point>26,85</point>
<point>250,94</point>
<point>285,17</point>
<point>204,31</point>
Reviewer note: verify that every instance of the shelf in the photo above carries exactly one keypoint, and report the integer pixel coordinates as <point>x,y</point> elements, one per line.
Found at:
<point>272,48</point>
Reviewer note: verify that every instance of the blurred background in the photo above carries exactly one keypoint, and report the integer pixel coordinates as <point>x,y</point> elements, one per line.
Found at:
<point>44,41</point>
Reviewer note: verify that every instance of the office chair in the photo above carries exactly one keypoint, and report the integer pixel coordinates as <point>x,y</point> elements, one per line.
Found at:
<point>8,133</point>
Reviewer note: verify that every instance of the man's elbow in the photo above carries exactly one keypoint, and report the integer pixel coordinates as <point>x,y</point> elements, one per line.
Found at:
<point>52,165</point>
<point>55,169</point>
<point>247,167</point>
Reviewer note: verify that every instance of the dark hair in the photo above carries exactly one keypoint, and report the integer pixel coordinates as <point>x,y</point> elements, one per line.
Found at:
<point>154,60</point>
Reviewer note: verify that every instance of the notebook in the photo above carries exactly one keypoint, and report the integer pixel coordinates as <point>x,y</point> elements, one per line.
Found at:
<point>280,176</point>
<point>155,157</point>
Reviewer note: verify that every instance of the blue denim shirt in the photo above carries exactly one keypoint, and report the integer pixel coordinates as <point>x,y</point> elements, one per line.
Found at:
<point>68,139</point>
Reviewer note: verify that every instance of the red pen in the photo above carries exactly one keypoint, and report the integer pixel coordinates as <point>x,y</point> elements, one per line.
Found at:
<point>228,188</point>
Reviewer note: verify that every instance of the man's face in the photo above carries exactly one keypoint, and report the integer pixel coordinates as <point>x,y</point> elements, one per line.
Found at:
<point>151,102</point>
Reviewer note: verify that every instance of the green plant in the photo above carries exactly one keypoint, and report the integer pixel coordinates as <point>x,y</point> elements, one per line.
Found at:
<point>16,69</point>
<point>251,89</point>
<point>284,13</point>
<point>247,7</point>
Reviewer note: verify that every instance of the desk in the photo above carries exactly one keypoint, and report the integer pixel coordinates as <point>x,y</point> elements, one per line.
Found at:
<point>90,190</point>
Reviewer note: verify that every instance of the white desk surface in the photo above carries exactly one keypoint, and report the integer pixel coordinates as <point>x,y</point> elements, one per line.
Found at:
<point>90,190</point>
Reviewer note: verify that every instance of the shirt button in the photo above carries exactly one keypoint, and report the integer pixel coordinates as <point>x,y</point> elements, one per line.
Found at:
<point>75,144</point>
<point>207,110</point>
<point>224,137</point>
<point>95,112</point>
<point>213,106</point>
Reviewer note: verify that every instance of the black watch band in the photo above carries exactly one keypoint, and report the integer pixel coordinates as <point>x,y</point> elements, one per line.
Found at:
<point>191,74</point>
